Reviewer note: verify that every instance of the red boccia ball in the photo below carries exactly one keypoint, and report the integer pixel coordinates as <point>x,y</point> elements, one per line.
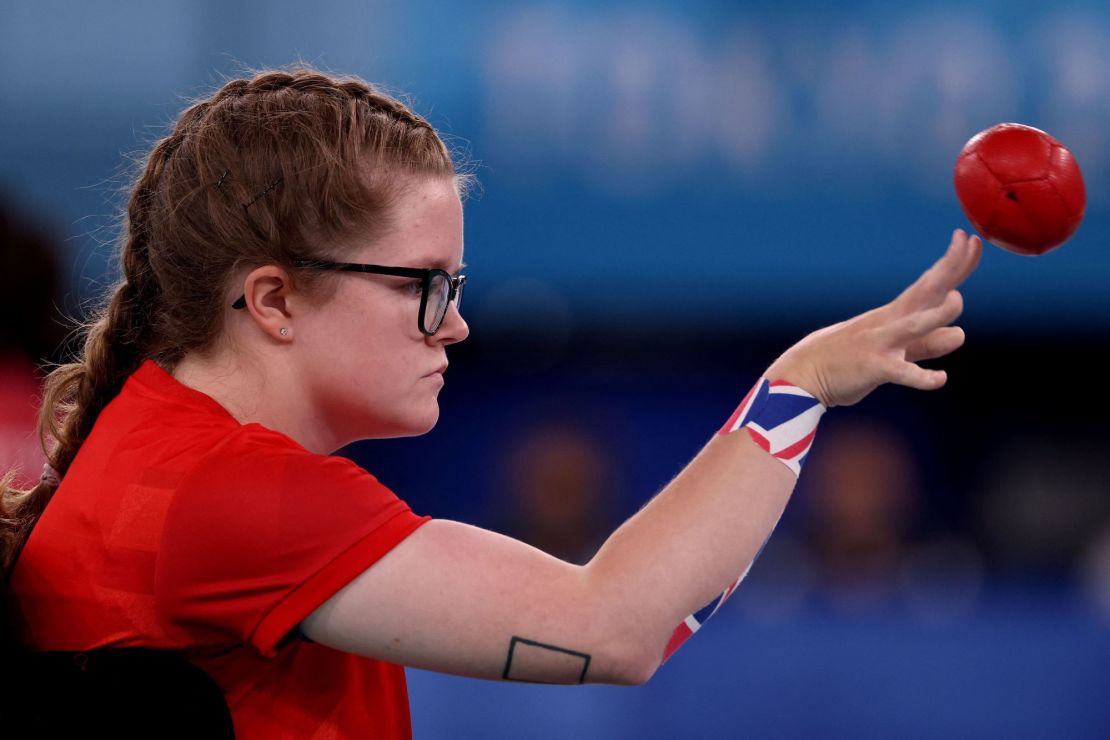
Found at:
<point>1020,188</point>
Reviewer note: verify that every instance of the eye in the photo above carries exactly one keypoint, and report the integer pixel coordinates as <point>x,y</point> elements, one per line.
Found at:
<point>413,287</point>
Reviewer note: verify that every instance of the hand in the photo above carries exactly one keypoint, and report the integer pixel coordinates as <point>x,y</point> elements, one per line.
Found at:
<point>841,364</point>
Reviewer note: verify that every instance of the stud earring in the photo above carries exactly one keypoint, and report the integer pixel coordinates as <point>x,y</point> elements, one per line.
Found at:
<point>283,331</point>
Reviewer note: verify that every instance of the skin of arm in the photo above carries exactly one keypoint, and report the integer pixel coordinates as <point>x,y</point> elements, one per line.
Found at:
<point>458,599</point>
<point>451,596</point>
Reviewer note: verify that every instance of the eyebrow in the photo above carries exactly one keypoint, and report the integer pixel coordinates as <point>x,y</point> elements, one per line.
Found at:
<point>440,264</point>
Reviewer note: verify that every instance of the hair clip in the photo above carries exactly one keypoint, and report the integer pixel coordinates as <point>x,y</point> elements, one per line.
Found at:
<point>271,186</point>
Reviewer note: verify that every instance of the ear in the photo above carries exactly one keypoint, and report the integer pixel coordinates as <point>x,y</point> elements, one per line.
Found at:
<point>268,291</point>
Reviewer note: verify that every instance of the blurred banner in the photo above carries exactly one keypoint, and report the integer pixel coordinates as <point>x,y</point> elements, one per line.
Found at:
<point>688,164</point>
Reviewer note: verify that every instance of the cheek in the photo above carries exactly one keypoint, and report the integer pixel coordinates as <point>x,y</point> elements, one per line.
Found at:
<point>380,357</point>
<point>367,369</point>
<point>376,326</point>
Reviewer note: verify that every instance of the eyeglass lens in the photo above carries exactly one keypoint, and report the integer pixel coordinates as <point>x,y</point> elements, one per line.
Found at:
<point>439,293</point>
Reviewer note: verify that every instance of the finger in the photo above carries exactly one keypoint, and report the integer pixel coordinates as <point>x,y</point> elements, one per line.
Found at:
<point>915,376</point>
<point>975,253</point>
<point>922,322</point>
<point>936,343</point>
<point>944,270</point>
<point>958,262</point>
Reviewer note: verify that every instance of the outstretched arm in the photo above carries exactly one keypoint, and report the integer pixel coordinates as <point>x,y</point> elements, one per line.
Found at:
<point>459,599</point>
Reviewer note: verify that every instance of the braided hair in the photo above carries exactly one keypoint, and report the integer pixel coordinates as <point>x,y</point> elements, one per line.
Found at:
<point>268,170</point>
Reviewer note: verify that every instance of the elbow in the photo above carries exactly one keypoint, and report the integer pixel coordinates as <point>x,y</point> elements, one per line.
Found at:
<point>622,657</point>
<point>636,666</point>
<point>629,649</point>
<point>641,672</point>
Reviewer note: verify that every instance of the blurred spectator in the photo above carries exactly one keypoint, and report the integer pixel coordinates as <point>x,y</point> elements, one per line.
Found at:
<point>865,514</point>
<point>862,495</point>
<point>30,333</point>
<point>559,490</point>
<point>1044,497</point>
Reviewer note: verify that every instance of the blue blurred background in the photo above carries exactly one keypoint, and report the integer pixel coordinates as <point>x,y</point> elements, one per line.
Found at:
<point>672,193</point>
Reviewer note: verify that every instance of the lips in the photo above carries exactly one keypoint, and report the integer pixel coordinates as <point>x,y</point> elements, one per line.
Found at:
<point>438,371</point>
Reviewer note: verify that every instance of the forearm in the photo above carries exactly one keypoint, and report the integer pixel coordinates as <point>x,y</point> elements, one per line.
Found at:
<point>691,541</point>
<point>705,528</point>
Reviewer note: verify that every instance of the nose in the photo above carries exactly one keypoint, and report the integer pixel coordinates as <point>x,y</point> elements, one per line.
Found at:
<point>454,328</point>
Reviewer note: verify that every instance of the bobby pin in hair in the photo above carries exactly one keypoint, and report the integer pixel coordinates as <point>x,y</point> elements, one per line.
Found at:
<point>220,182</point>
<point>269,187</point>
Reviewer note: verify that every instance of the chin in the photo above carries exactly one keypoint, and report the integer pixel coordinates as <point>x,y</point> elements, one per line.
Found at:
<point>408,427</point>
<point>426,425</point>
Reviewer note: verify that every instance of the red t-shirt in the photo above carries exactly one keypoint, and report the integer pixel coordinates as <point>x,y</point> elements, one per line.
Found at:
<point>178,527</point>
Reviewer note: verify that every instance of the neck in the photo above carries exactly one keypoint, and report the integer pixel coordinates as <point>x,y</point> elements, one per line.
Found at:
<point>247,390</point>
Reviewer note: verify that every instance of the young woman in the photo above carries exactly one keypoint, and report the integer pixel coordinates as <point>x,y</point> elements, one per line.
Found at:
<point>291,283</point>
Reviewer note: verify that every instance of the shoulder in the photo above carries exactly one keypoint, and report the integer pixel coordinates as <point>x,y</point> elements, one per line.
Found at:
<point>262,531</point>
<point>260,476</point>
<point>254,454</point>
<point>259,493</point>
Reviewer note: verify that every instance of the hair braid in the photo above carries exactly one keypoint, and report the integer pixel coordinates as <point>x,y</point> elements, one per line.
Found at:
<point>121,337</point>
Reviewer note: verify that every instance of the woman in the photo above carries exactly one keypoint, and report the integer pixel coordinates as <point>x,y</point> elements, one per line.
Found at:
<point>291,284</point>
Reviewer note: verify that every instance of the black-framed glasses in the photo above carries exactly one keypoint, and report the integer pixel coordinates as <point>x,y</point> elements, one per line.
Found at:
<point>438,287</point>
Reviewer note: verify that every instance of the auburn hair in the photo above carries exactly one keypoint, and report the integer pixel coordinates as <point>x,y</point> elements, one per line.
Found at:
<point>267,170</point>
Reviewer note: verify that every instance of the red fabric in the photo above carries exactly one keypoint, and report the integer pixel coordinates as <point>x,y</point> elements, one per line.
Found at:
<point>177,527</point>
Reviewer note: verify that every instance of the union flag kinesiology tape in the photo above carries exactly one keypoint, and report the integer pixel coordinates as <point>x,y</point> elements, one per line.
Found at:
<point>693,623</point>
<point>782,419</point>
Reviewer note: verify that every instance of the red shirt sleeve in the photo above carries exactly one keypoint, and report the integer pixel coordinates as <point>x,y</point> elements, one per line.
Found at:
<point>263,532</point>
